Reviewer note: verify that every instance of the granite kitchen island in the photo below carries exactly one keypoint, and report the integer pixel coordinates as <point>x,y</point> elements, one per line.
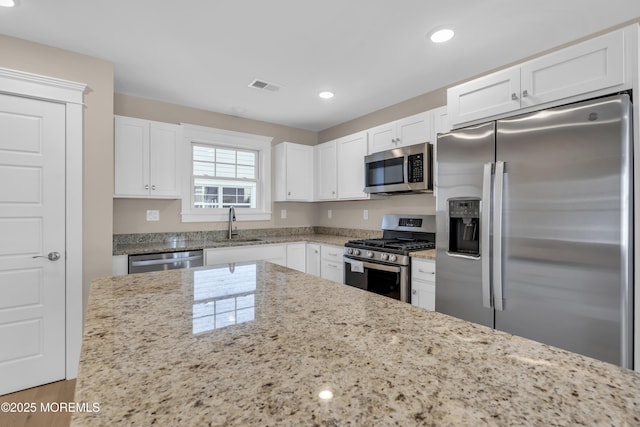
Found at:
<point>257,344</point>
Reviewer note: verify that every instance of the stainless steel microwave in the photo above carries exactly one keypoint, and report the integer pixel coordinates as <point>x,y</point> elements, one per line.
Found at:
<point>400,170</point>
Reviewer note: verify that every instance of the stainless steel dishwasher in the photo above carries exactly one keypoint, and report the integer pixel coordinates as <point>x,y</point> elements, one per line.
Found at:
<point>165,261</point>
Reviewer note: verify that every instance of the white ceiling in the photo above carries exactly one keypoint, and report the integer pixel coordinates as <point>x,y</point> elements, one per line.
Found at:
<point>371,53</point>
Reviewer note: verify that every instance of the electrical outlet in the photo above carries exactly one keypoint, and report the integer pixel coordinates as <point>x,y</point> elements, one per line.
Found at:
<point>365,214</point>
<point>283,214</point>
<point>153,215</point>
<point>329,213</point>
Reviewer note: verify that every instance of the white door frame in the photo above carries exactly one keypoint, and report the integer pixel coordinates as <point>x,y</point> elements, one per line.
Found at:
<point>71,94</point>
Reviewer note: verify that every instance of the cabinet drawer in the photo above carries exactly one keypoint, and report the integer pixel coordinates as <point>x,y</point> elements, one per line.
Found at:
<point>331,253</point>
<point>423,270</point>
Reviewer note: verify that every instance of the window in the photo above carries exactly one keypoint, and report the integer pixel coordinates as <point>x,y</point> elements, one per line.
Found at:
<point>225,169</point>
<point>223,177</point>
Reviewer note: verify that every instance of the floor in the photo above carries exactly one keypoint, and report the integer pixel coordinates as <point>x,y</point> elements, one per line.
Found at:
<point>60,391</point>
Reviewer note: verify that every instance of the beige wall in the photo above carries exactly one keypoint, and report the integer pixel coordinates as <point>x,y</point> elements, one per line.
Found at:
<point>98,138</point>
<point>129,215</point>
<point>412,106</point>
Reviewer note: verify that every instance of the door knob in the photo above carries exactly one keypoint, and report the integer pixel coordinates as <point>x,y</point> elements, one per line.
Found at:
<point>51,256</point>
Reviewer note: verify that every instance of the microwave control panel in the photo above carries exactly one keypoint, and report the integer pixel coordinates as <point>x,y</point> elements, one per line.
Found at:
<point>416,167</point>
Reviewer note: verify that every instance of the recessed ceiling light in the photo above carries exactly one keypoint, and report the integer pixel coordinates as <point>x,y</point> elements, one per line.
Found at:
<point>442,35</point>
<point>7,3</point>
<point>326,95</point>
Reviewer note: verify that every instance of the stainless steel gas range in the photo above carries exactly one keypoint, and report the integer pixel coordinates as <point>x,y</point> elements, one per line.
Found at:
<point>383,265</point>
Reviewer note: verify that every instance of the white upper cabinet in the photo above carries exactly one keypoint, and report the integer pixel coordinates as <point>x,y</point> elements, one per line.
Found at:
<point>326,171</point>
<point>591,67</point>
<point>487,96</point>
<point>293,172</point>
<point>410,130</point>
<point>586,67</point>
<point>350,152</point>
<point>147,161</point>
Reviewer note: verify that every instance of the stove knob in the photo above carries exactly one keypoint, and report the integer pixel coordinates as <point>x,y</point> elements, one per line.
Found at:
<point>384,257</point>
<point>369,254</point>
<point>350,251</point>
<point>356,252</point>
<point>393,258</point>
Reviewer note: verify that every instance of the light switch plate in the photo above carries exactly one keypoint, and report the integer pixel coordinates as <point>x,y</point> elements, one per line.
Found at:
<point>329,213</point>
<point>153,215</point>
<point>283,214</point>
<point>365,214</point>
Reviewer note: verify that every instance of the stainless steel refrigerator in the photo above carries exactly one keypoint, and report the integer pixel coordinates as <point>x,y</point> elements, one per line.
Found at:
<point>534,226</point>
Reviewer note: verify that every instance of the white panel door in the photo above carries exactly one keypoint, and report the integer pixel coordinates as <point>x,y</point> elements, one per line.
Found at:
<point>32,223</point>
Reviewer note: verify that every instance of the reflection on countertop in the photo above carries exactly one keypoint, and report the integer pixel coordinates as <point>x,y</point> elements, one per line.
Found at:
<point>318,352</point>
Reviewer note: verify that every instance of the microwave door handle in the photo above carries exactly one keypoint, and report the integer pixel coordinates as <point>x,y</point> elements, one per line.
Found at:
<point>497,237</point>
<point>485,224</point>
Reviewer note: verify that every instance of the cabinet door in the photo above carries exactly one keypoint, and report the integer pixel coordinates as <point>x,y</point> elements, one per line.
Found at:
<point>423,294</point>
<point>382,138</point>
<point>351,151</point>
<point>164,160</point>
<point>131,171</point>
<point>299,173</point>
<point>586,67</point>
<point>313,259</point>
<point>325,157</point>
<point>487,96</point>
<point>414,129</point>
<point>297,256</point>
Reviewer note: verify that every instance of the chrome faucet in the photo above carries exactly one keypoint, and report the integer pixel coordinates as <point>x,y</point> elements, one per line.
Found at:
<point>232,218</point>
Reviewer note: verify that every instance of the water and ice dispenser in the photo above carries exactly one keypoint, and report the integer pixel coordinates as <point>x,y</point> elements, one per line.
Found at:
<point>464,226</point>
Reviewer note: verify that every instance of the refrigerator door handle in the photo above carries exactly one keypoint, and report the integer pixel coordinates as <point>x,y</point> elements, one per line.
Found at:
<point>485,223</point>
<point>498,301</point>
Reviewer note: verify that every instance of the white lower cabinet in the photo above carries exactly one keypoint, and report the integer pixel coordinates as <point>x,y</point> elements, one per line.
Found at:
<point>276,254</point>
<point>423,283</point>
<point>331,264</point>
<point>297,256</point>
<point>120,265</point>
<point>313,259</point>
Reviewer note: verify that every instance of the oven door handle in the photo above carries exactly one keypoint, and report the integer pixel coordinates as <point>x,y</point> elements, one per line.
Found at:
<point>372,266</point>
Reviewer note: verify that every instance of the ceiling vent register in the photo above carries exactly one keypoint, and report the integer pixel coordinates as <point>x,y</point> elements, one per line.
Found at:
<point>261,84</point>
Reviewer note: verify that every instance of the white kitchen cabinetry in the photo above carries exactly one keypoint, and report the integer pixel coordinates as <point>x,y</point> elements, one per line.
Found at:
<point>331,263</point>
<point>293,172</point>
<point>350,161</point>
<point>326,171</point>
<point>297,256</point>
<point>313,259</point>
<point>410,130</point>
<point>147,163</point>
<point>276,254</point>
<point>587,67</point>
<point>423,283</point>
<point>120,265</point>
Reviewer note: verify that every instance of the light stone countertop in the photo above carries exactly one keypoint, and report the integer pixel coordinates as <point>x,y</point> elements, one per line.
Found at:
<point>154,354</point>
<point>187,245</point>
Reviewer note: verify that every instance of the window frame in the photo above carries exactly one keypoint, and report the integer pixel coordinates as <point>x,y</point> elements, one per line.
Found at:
<point>233,140</point>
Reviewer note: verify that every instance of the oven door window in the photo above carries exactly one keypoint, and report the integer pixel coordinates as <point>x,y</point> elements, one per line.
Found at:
<point>385,283</point>
<point>385,172</point>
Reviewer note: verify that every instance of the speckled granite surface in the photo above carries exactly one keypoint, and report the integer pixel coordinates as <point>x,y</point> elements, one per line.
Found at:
<point>133,244</point>
<point>156,353</point>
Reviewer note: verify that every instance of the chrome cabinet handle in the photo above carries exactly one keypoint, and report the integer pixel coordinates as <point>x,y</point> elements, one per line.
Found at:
<point>514,97</point>
<point>51,256</point>
<point>153,187</point>
<point>146,186</point>
<point>413,292</point>
<point>525,93</point>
